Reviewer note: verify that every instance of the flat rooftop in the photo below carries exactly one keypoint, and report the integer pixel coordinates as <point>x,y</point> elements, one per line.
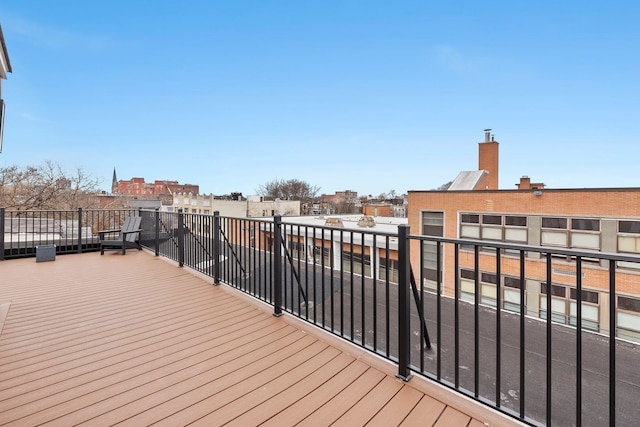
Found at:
<point>136,340</point>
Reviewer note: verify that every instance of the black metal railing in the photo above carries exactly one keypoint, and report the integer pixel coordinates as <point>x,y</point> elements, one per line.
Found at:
<point>511,326</point>
<point>71,231</point>
<point>495,348</point>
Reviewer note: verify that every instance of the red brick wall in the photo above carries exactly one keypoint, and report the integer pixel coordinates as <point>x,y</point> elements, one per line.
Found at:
<point>377,210</point>
<point>488,160</point>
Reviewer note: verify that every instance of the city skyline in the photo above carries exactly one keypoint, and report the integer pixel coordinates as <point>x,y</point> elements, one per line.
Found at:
<point>366,96</point>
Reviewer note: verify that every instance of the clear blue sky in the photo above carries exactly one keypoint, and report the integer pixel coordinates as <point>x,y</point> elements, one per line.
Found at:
<point>363,95</point>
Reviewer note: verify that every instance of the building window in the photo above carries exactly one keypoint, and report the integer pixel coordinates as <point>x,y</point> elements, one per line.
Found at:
<point>511,294</point>
<point>389,267</point>
<point>467,285</point>
<point>361,263</point>
<point>560,223</point>
<point>323,254</point>
<point>488,287</point>
<point>564,307</point>
<point>558,303</point>
<point>628,318</point>
<point>499,228</point>
<point>432,225</point>
<point>492,219</point>
<point>327,255</point>
<point>470,218</point>
<point>296,249</point>
<point>629,241</point>
<point>585,224</point>
<point>516,221</point>
<point>574,233</point>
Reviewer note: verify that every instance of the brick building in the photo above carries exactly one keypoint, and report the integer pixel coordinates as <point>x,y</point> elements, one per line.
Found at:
<point>139,188</point>
<point>596,219</point>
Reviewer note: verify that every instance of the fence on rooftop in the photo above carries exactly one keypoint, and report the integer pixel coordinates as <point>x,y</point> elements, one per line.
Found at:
<point>393,294</point>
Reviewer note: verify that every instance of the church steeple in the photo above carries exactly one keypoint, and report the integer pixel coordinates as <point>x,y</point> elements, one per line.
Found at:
<point>114,181</point>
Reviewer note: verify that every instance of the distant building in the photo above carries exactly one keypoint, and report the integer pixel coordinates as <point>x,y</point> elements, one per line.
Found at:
<point>393,207</point>
<point>251,207</point>
<point>378,209</point>
<point>159,189</point>
<point>342,202</point>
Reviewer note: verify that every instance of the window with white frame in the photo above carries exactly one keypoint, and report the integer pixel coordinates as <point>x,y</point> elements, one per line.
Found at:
<point>558,302</point>
<point>494,227</point>
<point>296,249</point>
<point>511,293</point>
<point>573,233</point>
<point>629,241</point>
<point>432,225</point>
<point>489,287</point>
<point>564,307</point>
<point>628,318</point>
<point>467,285</point>
<point>361,262</point>
<point>389,267</point>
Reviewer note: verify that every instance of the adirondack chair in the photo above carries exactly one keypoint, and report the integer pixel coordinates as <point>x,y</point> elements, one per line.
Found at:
<point>128,236</point>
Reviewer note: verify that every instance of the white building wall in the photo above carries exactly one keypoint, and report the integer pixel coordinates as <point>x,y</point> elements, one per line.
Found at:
<point>252,207</point>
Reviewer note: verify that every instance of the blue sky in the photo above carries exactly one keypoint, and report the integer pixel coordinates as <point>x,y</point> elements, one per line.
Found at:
<point>344,94</point>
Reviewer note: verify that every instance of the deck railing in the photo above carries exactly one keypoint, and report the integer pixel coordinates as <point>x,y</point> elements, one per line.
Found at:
<point>546,335</point>
<point>420,302</point>
<point>71,231</point>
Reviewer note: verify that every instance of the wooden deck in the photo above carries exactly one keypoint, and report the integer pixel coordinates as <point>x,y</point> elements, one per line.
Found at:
<point>134,340</point>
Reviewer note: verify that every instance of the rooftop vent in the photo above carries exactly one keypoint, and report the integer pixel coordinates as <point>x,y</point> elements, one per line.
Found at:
<point>333,222</point>
<point>366,221</point>
<point>487,135</point>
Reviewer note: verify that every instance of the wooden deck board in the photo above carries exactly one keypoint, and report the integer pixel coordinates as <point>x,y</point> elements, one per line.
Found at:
<point>135,340</point>
<point>452,418</point>
<point>303,407</point>
<point>396,410</point>
<point>367,407</point>
<point>427,411</point>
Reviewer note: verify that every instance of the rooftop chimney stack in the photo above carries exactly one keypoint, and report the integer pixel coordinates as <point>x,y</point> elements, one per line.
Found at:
<point>487,135</point>
<point>488,159</point>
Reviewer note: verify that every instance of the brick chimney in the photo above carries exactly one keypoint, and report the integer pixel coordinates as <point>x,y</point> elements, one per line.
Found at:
<point>526,184</point>
<point>488,159</point>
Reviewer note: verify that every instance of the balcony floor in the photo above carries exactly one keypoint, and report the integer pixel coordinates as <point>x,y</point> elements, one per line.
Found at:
<point>134,340</point>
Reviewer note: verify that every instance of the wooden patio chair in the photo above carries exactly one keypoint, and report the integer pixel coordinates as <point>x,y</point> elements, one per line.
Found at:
<point>128,236</point>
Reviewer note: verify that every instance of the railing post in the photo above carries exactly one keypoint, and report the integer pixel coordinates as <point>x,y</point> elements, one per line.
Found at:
<point>180,238</point>
<point>404,277</point>
<point>277,265</point>
<point>157,218</point>
<point>216,247</point>
<point>2,234</point>
<point>79,230</point>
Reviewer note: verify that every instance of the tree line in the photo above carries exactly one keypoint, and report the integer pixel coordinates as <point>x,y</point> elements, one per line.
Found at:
<point>46,187</point>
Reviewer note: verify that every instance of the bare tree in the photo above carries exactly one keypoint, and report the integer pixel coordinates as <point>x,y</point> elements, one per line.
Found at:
<point>46,187</point>
<point>444,187</point>
<point>292,189</point>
